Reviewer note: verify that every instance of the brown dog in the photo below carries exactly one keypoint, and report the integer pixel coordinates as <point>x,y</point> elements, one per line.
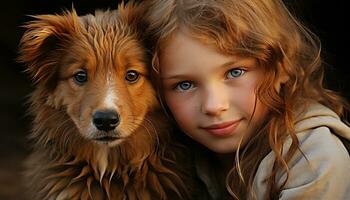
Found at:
<point>97,131</point>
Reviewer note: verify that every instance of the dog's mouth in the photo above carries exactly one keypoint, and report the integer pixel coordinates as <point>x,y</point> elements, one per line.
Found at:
<point>107,139</point>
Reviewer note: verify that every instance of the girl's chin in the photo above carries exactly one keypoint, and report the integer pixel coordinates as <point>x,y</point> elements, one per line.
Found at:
<point>222,149</point>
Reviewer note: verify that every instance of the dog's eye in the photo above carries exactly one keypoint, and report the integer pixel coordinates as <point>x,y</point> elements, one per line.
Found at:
<point>131,76</point>
<point>80,77</point>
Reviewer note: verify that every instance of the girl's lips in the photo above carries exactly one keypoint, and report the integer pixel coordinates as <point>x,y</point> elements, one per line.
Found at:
<point>222,129</point>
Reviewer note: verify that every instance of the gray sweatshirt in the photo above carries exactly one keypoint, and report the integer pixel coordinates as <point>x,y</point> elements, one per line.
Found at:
<point>325,172</point>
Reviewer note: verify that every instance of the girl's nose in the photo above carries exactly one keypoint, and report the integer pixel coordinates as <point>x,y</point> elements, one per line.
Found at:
<point>214,101</point>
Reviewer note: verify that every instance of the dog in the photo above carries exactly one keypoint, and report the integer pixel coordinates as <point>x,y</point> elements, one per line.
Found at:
<point>98,129</point>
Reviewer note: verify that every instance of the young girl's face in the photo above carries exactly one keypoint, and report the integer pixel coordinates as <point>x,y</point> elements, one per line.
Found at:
<point>211,95</point>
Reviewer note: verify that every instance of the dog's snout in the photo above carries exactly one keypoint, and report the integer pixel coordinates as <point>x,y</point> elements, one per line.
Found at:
<point>106,120</point>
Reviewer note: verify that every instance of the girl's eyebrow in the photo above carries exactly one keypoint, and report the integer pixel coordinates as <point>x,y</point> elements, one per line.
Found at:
<point>177,76</point>
<point>181,76</point>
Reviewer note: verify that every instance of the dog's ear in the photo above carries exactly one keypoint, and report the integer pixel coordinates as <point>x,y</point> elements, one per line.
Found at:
<point>133,14</point>
<point>43,42</point>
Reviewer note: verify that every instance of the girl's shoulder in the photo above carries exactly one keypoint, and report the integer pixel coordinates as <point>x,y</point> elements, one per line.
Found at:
<point>318,126</point>
<point>320,146</point>
<point>320,169</point>
<point>319,131</point>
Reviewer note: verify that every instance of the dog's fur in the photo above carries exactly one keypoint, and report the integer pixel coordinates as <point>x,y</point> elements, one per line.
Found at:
<point>68,161</point>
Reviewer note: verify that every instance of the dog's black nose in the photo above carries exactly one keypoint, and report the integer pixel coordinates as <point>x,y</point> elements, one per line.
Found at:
<point>105,120</point>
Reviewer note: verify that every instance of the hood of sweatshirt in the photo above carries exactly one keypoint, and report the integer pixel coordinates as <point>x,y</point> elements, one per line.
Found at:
<point>317,115</point>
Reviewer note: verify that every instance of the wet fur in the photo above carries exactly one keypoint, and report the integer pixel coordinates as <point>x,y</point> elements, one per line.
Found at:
<point>66,163</point>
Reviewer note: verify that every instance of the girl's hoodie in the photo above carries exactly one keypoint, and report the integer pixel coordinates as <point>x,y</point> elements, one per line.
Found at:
<point>322,172</point>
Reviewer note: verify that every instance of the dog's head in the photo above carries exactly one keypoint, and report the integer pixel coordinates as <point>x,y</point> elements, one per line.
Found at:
<point>94,68</point>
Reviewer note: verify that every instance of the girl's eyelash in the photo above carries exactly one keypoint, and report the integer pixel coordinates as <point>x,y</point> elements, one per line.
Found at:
<point>177,86</point>
<point>189,84</point>
<point>239,71</point>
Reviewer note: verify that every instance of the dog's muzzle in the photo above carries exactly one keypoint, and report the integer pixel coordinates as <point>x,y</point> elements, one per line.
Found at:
<point>106,120</point>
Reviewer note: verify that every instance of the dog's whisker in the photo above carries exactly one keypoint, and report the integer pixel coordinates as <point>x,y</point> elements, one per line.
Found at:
<point>62,125</point>
<point>67,135</point>
<point>156,134</point>
<point>46,138</point>
<point>146,123</point>
<point>56,115</point>
<point>58,129</point>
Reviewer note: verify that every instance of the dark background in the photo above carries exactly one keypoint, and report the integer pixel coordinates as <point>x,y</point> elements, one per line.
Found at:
<point>328,20</point>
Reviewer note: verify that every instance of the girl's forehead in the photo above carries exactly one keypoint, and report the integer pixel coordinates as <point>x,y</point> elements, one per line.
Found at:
<point>185,53</point>
<point>177,37</point>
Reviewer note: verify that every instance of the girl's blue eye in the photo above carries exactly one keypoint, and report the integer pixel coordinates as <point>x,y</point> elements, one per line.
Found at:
<point>234,73</point>
<point>185,85</point>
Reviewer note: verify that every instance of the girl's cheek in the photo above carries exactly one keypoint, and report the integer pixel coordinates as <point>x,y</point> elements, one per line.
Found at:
<point>172,102</point>
<point>244,98</point>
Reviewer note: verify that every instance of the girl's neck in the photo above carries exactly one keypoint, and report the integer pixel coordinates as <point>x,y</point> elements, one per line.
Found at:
<point>226,159</point>
<point>226,162</point>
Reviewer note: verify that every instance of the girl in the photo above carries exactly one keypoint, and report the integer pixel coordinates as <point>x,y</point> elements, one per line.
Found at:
<point>243,78</point>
